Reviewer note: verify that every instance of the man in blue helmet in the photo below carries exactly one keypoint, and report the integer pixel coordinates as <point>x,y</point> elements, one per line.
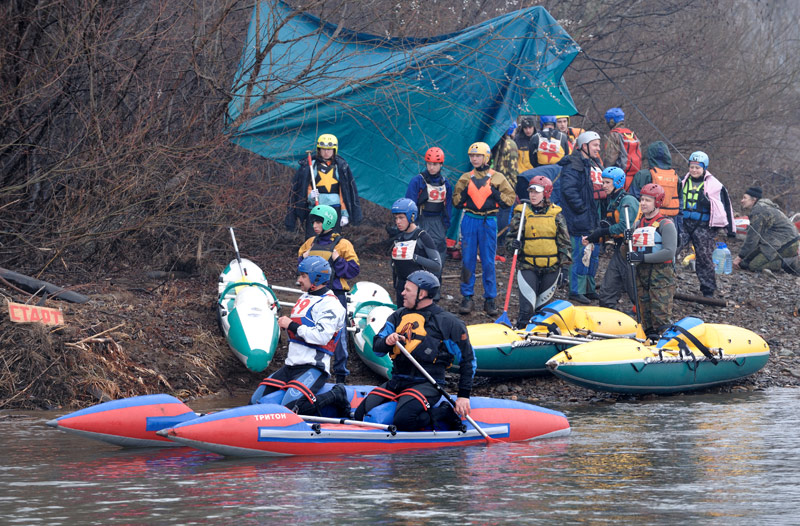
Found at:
<point>548,146</point>
<point>342,257</point>
<point>622,147</point>
<point>435,338</point>
<point>412,249</point>
<point>621,212</point>
<point>314,326</point>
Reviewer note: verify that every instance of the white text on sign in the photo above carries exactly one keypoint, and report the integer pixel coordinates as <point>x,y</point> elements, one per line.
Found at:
<point>21,313</point>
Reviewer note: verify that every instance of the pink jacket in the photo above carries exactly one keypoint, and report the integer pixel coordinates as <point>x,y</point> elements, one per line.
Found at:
<point>715,192</point>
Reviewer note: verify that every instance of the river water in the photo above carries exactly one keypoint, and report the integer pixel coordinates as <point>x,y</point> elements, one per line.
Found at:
<point>695,459</point>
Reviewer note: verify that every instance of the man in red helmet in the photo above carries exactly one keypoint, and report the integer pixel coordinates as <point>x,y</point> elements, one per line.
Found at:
<point>655,241</point>
<point>544,247</point>
<point>433,195</point>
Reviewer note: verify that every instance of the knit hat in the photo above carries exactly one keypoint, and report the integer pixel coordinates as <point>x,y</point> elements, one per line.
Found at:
<point>755,191</point>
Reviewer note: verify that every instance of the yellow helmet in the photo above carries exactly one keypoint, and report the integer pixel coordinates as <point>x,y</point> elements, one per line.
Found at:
<point>563,117</point>
<point>328,141</point>
<point>480,148</point>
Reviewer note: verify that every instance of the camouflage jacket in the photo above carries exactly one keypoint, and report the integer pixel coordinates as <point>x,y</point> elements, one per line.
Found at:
<point>769,230</point>
<point>504,159</point>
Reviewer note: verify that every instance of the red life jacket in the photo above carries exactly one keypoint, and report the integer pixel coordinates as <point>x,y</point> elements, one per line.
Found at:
<point>634,153</point>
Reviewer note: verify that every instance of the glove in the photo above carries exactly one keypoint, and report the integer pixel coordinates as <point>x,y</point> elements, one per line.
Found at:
<point>516,244</point>
<point>498,197</point>
<point>628,234</point>
<point>313,194</point>
<point>595,236</point>
<point>731,234</point>
<point>344,221</point>
<point>635,257</point>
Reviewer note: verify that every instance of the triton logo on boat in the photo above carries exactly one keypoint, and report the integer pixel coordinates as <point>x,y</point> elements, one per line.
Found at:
<point>271,416</point>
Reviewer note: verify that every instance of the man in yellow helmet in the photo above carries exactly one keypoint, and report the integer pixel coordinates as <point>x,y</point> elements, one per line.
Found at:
<point>324,179</point>
<point>481,193</point>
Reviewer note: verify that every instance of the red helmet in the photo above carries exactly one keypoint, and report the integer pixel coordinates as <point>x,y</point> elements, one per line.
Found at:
<point>434,155</point>
<point>545,183</point>
<point>655,191</point>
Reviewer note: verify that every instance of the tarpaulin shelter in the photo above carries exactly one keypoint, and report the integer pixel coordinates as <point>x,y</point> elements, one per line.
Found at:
<point>389,99</point>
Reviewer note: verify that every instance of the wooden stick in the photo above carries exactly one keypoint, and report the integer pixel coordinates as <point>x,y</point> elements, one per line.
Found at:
<point>716,302</point>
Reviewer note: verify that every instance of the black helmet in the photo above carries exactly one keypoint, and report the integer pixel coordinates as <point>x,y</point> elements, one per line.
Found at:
<point>425,280</point>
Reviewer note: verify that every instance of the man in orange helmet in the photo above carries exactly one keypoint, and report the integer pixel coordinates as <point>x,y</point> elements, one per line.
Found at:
<point>433,195</point>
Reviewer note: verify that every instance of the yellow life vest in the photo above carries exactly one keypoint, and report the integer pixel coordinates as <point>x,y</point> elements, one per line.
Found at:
<point>326,253</point>
<point>539,246</point>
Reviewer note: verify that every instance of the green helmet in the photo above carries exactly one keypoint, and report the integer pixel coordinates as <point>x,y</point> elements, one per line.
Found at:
<point>326,214</point>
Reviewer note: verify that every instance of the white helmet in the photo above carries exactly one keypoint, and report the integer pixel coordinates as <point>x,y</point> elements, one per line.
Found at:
<point>586,137</point>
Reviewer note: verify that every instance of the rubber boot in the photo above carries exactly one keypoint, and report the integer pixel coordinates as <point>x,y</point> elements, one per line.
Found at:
<point>336,397</point>
<point>466,305</point>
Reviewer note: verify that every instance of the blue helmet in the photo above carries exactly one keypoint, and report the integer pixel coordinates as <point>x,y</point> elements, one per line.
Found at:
<point>318,270</point>
<point>425,280</point>
<point>615,114</point>
<point>547,119</point>
<point>405,206</point>
<point>615,174</point>
<point>700,158</point>
<point>511,128</point>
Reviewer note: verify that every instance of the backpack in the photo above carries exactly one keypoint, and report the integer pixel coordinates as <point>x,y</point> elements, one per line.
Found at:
<point>633,152</point>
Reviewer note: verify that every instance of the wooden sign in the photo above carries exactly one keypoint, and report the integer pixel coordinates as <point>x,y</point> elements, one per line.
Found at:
<point>21,313</point>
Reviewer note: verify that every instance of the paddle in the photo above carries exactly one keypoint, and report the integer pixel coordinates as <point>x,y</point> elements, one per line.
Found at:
<point>503,319</point>
<point>633,273</point>
<point>313,182</point>
<point>286,289</point>
<point>446,396</point>
<point>238,257</point>
<point>326,420</point>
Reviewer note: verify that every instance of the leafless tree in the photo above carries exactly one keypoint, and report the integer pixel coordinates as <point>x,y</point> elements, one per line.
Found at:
<point>111,113</point>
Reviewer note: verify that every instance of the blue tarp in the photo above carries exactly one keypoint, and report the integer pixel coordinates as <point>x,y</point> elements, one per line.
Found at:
<point>388,100</point>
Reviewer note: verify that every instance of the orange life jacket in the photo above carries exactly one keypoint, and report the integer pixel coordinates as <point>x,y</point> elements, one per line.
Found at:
<point>668,180</point>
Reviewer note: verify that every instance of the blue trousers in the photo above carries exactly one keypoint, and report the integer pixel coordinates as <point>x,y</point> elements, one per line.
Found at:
<point>340,354</point>
<point>581,277</point>
<point>479,235</point>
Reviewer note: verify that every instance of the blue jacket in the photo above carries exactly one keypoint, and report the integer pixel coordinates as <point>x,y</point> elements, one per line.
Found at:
<point>577,200</point>
<point>416,191</point>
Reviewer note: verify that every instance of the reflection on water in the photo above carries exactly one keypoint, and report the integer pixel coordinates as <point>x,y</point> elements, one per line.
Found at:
<point>689,459</point>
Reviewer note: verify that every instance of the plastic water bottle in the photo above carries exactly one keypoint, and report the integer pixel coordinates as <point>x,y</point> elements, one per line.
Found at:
<point>723,262</point>
<point>728,259</point>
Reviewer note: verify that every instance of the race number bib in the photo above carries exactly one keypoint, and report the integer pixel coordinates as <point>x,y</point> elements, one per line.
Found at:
<point>597,175</point>
<point>301,308</point>
<point>644,237</point>
<point>436,194</point>
<point>404,250</point>
<point>549,151</point>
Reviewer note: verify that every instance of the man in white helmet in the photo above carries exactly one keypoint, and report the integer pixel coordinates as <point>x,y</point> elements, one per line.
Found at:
<point>579,206</point>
